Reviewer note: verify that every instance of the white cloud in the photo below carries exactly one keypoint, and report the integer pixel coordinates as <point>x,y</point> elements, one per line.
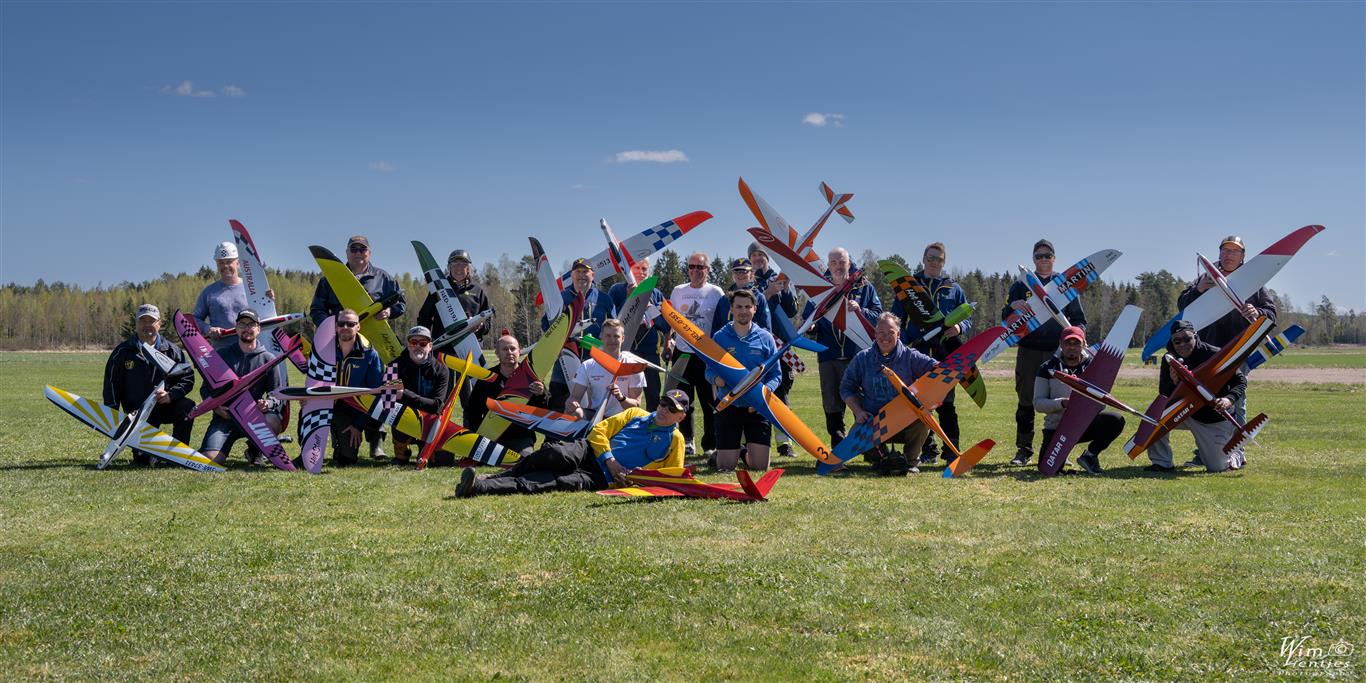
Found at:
<point>581,186</point>
<point>186,89</point>
<point>382,167</point>
<point>233,91</point>
<point>658,157</point>
<point>820,120</point>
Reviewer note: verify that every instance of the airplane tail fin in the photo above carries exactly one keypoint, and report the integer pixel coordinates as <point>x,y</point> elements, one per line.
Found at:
<point>1247,433</point>
<point>969,459</point>
<point>758,491</point>
<point>841,200</point>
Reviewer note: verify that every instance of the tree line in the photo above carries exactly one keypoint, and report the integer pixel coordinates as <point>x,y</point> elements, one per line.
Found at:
<point>63,316</point>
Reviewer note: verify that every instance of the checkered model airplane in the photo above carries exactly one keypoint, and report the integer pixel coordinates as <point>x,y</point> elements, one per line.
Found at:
<point>639,246</point>
<point>1047,297</point>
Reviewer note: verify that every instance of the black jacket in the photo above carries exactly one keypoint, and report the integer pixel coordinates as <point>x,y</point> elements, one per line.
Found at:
<point>1229,327</point>
<point>473,301</point>
<point>129,375</point>
<point>425,385</point>
<point>1047,336</point>
<point>1235,388</point>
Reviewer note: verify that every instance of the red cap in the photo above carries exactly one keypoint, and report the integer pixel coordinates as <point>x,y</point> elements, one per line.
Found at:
<point>1074,332</point>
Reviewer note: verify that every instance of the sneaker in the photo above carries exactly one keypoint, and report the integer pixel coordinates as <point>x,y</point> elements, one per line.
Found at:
<point>928,458</point>
<point>1158,468</point>
<point>689,451</point>
<point>785,449</point>
<point>286,438</point>
<point>1022,456</point>
<point>1236,460</point>
<point>465,488</point>
<point>1194,462</point>
<point>929,452</point>
<point>913,470</point>
<point>377,451</point>
<point>1090,463</point>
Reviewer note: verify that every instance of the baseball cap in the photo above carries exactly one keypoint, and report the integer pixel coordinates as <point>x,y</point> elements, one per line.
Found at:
<point>675,400</point>
<point>1180,325</point>
<point>224,250</point>
<point>249,314</point>
<point>581,263</point>
<point>149,310</point>
<point>1044,243</point>
<point>419,331</point>
<point>741,264</point>
<point>358,239</point>
<point>753,248</point>
<point>1234,240</point>
<point>1074,332</point>
<point>459,255</point>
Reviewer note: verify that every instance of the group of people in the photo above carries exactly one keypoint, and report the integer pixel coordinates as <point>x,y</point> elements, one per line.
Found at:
<point>649,414</point>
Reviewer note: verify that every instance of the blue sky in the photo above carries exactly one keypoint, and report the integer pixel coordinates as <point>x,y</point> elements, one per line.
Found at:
<point>131,132</point>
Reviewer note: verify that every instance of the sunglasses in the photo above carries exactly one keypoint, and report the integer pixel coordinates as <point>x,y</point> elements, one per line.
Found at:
<point>347,323</point>
<point>1042,255</point>
<point>1184,339</point>
<point>937,259</point>
<point>419,342</point>
<point>694,266</point>
<point>358,248</point>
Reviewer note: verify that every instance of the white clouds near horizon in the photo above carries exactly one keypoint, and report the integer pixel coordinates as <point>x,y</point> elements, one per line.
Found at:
<point>820,120</point>
<point>659,157</point>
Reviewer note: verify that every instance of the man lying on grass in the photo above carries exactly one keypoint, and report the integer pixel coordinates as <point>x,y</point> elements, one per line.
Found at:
<point>630,439</point>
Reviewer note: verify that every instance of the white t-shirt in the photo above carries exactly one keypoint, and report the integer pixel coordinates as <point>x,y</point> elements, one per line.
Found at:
<point>698,304</point>
<point>594,378</point>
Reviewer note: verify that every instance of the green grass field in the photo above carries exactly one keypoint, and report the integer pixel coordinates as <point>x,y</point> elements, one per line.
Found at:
<point>378,573</point>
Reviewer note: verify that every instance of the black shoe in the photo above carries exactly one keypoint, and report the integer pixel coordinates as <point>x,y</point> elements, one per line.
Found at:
<point>895,465</point>
<point>1090,463</point>
<point>929,452</point>
<point>1022,456</point>
<point>1158,468</point>
<point>928,458</point>
<point>785,449</point>
<point>465,488</point>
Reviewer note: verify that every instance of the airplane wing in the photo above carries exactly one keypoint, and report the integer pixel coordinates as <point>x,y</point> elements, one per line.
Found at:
<point>315,415</point>
<point>632,314</point>
<point>248,417</point>
<point>1250,277</point>
<point>919,305</point>
<point>801,272</point>
<point>852,324</point>
<point>775,225</point>
<point>254,281</point>
<point>730,370</point>
<point>352,295</point>
<point>681,481</point>
<point>778,413</point>
<point>1274,345</point>
<point>551,286</point>
<point>215,372</point>
<point>106,420</point>
<point>448,307</point>
<point>639,246</point>
<point>1069,284</point>
<point>543,420</point>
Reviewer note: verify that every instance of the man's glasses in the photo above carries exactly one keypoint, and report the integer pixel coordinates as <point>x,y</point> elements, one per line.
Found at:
<point>694,266</point>
<point>347,323</point>
<point>359,248</point>
<point>419,342</point>
<point>1184,339</point>
<point>1042,256</point>
<point>938,259</point>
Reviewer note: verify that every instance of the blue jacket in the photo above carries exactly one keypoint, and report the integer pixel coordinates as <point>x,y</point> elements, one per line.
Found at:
<point>948,295</point>
<point>751,351</point>
<point>590,304</point>
<point>838,346</point>
<point>863,378</point>
<point>722,314</point>
<point>361,367</point>
<point>647,340</point>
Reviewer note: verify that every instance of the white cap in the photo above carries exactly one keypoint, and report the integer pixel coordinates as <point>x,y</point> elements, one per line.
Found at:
<point>225,250</point>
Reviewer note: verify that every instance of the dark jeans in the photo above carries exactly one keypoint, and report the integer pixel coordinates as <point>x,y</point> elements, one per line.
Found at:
<point>1100,433</point>
<point>699,390</point>
<point>1027,362</point>
<point>557,466</point>
<point>343,416</point>
<point>651,389</point>
<point>947,416</point>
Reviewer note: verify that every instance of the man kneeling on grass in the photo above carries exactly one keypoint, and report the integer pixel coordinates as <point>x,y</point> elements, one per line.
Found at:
<point>630,439</point>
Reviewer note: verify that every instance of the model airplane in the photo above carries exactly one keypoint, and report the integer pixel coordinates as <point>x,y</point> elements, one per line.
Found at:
<point>129,431</point>
<point>1274,345</point>
<point>1192,393</point>
<point>733,373</point>
<point>352,295</point>
<point>803,245</point>
<point>564,425</point>
<point>236,395</point>
<point>925,314</point>
<point>537,366</point>
<point>1093,383</point>
<point>1061,289</point>
<point>831,301</point>
<point>457,328</point>
<point>680,482</point>
<point>914,403</point>
<point>636,247</point>
<point>1209,307</point>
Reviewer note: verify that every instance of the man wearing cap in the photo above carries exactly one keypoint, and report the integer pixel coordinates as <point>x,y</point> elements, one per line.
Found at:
<point>426,386</point>
<point>515,437</point>
<point>242,357</point>
<point>593,384</point>
<point>473,300</point>
<point>216,309</point>
<point>742,277</point>
<point>1034,349</point>
<point>696,299</point>
<point>376,281</point>
<point>1231,326</point>
<point>781,300</point>
<point>630,439</point>
<point>1211,431</point>
<point>750,344</point>
<point>866,390</point>
<point>130,376</point>
<point>358,365</point>
<point>947,296</point>
<point>582,297</point>
<point>1051,397</point>
<point>646,344</point>
<point>839,350</point>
